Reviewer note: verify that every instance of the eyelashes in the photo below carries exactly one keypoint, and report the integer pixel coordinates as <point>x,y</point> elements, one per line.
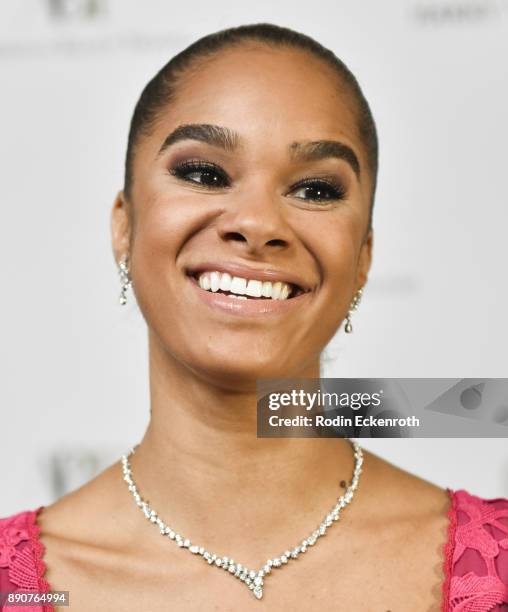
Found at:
<point>213,177</point>
<point>205,174</point>
<point>317,189</point>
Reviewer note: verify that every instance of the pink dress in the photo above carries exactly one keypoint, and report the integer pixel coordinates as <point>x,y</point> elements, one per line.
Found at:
<point>475,556</point>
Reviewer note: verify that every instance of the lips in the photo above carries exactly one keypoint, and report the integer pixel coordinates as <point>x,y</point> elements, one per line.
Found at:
<point>246,307</point>
<point>238,302</point>
<point>297,283</point>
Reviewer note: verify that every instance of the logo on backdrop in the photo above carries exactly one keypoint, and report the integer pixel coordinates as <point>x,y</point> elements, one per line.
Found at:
<point>457,13</point>
<point>76,9</point>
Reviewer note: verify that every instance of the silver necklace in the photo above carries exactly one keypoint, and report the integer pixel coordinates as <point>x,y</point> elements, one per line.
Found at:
<point>252,579</point>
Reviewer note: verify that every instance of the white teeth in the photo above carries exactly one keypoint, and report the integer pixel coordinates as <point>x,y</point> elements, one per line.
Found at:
<point>266,290</point>
<point>254,288</point>
<point>276,289</point>
<point>284,292</point>
<point>214,281</point>
<point>238,285</point>
<point>204,282</point>
<point>225,282</point>
<point>241,287</point>
<point>238,297</point>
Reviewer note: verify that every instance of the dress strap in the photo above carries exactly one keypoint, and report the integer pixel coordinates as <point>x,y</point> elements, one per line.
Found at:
<point>22,567</point>
<point>476,555</point>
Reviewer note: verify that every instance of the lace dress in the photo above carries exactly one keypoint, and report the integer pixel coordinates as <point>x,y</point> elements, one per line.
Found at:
<point>475,556</point>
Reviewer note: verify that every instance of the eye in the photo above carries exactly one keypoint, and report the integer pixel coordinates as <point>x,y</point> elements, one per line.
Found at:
<point>318,190</point>
<point>202,173</point>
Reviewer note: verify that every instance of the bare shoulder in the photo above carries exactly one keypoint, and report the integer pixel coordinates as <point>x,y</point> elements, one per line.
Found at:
<point>86,528</point>
<point>406,511</point>
<point>410,512</point>
<point>97,548</point>
<point>75,516</point>
<point>403,522</point>
<point>400,492</point>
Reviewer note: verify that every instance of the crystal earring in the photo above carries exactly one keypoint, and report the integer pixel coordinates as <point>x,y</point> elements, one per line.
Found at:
<point>125,279</point>
<point>348,328</point>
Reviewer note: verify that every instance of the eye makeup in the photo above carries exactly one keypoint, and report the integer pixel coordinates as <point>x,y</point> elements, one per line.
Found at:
<point>320,188</point>
<point>325,188</point>
<point>203,173</point>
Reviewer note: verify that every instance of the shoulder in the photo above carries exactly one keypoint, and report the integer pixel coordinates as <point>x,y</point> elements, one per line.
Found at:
<point>470,532</point>
<point>477,551</point>
<point>21,552</point>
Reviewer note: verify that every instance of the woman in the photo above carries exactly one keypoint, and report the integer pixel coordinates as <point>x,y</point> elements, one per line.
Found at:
<point>244,228</point>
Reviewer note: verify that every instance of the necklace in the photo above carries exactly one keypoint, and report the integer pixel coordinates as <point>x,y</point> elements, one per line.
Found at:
<point>252,579</point>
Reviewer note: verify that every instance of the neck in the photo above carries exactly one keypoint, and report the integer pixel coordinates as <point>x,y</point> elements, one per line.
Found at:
<point>201,449</point>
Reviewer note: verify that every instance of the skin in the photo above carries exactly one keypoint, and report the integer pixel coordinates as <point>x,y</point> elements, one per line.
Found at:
<point>200,462</point>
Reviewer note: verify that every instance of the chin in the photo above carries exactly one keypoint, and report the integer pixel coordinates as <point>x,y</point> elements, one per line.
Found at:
<point>241,371</point>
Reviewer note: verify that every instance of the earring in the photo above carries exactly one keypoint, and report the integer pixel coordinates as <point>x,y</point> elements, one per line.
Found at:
<point>348,328</point>
<point>125,279</point>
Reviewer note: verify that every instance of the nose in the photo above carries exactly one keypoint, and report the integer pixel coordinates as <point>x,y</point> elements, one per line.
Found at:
<point>255,224</point>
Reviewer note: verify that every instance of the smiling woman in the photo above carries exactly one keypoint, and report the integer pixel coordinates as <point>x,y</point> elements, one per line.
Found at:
<point>244,229</point>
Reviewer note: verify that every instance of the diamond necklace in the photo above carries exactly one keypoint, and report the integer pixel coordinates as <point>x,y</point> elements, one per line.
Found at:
<point>252,579</point>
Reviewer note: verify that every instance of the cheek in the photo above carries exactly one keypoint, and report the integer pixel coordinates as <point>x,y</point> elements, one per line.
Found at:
<point>159,231</point>
<point>338,254</point>
<point>336,246</point>
<point>164,224</point>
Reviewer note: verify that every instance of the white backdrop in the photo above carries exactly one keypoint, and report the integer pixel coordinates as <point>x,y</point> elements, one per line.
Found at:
<point>73,363</point>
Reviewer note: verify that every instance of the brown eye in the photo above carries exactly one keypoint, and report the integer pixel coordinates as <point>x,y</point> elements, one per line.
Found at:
<point>205,174</point>
<point>318,190</point>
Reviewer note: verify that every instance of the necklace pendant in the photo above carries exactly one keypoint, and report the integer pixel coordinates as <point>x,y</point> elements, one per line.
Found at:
<point>256,586</point>
<point>258,591</point>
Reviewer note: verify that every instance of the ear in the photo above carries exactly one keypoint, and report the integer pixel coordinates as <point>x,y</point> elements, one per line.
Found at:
<point>365,259</point>
<point>120,227</point>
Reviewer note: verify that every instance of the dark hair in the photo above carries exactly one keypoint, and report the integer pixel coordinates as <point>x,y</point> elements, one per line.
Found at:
<point>161,89</point>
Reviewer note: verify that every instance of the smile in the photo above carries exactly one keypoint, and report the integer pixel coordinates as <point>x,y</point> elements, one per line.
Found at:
<point>245,294</point>
<point>245,288</point>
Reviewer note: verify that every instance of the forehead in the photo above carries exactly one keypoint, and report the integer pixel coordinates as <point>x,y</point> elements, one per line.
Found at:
<point>267,95</point>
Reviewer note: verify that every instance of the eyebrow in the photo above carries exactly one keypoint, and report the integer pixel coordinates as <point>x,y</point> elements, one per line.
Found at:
<point>214,135</point>
<point>229,140</point>
<point>323,149</point>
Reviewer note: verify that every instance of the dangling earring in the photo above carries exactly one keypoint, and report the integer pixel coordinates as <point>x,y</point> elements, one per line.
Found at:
<point>125,279</point>
<point>348,328</point>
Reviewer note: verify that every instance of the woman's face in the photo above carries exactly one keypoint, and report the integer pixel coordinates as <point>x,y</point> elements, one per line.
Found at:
<point>255,170</point>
